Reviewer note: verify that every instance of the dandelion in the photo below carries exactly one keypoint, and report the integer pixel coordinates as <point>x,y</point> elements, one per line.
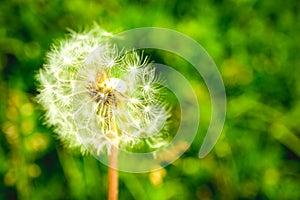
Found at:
<point>99,99</point>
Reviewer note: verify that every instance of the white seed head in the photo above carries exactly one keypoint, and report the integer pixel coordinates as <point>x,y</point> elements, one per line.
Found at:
<point>95,97</point>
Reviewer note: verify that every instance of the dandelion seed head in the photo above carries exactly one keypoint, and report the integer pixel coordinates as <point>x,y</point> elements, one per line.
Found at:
<point>95,97</point>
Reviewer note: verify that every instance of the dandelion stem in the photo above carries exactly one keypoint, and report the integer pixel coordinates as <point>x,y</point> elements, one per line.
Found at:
<point>113,174</point>
<point>113,181</point>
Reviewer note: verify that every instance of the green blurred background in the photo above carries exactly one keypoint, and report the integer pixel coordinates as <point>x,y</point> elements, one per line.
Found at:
<point>255,45</point>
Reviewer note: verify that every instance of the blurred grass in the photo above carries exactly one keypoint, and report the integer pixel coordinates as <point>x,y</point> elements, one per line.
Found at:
<point>254,43</point>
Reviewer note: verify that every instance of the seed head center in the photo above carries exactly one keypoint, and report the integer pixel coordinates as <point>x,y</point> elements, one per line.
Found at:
<point>104,90</point>
<point>101,91</point>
